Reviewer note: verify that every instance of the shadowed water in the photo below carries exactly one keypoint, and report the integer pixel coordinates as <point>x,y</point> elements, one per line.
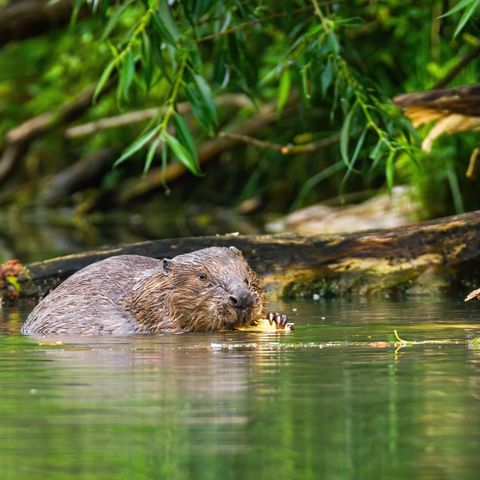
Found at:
<point>328,401</point>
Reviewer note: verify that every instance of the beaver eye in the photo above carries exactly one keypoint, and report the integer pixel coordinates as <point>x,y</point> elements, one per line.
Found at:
<point>202,276</point>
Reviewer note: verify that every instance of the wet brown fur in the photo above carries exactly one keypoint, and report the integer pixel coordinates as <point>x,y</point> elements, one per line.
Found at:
<point>131,293</point>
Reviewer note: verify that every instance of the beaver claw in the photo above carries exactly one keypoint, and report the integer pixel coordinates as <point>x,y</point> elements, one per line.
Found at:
<point>280,319</point>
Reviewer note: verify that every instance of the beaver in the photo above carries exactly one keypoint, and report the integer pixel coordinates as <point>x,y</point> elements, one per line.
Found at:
<point>205,290</point>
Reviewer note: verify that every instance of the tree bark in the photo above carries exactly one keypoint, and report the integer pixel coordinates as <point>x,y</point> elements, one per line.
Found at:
<point>419,258</point>
<point>21,19</point>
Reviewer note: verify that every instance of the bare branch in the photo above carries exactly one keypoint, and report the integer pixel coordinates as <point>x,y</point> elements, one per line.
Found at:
<point>284,149</point>
<point>443,82</point>
<point>229,100</point>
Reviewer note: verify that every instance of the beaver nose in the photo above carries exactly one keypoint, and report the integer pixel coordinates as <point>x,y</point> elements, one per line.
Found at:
<point>240,298</point>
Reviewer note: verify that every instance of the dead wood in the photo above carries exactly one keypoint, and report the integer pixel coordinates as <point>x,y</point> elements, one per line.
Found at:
<point>434,255</point>
<point>19,139</point>
<point>232,100</point>
<point>453,109</point>
<point>464,100</point>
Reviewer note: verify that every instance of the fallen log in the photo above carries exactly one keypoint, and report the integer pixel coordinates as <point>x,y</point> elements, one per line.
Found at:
<point>425,257</point>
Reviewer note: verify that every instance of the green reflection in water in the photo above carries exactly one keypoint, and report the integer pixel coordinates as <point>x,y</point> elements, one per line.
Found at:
<point>283,407</point>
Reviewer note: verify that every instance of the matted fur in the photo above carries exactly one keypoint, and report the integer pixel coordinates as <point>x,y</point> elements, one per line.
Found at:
<point>135,294</point>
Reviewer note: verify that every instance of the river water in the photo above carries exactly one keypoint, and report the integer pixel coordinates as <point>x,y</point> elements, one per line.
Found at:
<point>331,400</point>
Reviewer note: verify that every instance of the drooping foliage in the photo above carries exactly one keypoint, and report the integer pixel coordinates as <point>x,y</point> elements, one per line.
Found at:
<point>323,70</point>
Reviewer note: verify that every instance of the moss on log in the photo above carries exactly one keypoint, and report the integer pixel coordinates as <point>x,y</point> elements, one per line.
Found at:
<point>434,255</point>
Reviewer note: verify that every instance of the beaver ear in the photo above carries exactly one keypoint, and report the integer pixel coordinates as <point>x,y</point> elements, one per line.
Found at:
<point>167,262</point>
<point>236,250</point>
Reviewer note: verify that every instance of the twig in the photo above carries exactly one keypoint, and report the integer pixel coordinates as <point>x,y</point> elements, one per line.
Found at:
<point>319,14</point>
<point>473,164</point>
<point>283,149</point>
<point>233,29</point>
<point>443,82</point>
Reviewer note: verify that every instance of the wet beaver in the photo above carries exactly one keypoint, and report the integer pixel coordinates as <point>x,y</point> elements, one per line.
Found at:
<point>205,290</point>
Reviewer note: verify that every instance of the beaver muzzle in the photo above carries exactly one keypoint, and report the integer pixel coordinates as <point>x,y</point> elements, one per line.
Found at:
<point>240,297</point>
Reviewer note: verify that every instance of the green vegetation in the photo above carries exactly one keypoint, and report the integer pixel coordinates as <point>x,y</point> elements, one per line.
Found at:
<point>285,103</point>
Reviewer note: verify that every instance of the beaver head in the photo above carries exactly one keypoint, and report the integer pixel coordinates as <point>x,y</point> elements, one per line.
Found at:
<point>205,290</point>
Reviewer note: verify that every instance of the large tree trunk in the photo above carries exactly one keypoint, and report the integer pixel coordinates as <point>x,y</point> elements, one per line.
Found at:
<point>434,255</point>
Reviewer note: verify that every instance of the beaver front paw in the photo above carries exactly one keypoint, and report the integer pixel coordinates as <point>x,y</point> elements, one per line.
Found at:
<point>280,319</point>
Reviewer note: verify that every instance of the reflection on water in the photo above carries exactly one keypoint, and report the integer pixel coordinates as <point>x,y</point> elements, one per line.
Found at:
<point>286,407</point>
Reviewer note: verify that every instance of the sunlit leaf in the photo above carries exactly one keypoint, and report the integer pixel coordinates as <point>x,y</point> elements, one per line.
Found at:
<point>467,14</point>
<point>12,280</point>
<point>459,6</point>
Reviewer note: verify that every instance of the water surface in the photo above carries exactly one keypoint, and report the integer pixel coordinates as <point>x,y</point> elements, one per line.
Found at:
<point>329,401</point>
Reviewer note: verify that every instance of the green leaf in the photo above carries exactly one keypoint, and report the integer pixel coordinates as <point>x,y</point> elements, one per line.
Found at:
<point>332,42</point>
<point>126,76</point>
<point>138,144</point>
<point>184,135</point>
<point>389,170</point>
<point>314,30</point>
<point>459,6</point>
<point>147,64</point>
<point>345,135</point>
<point>76,10</point>
<point>377,150</point>
<point>207,98</point>
<point>103,80</point>
<point>114,19</point>
<point>307,95</point>
<point>467,14</point>
<point>358,147</point>
<point>454,187</point>
<point>197,108</point>
<point>12,280</point>
<point>150,154</point>
<point>182,154</point>
<point>326,77</point>
<point>164,23</point>
<point>283,89</point>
